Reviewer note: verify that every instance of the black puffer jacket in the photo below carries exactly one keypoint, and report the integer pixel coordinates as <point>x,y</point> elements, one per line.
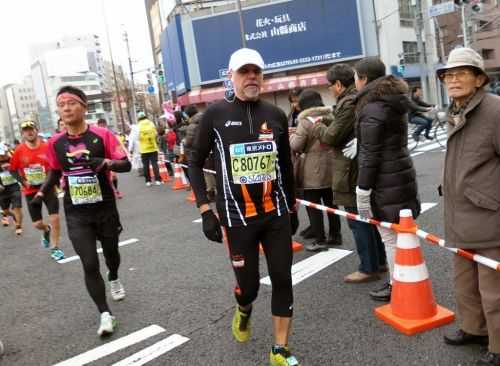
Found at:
<point>385,165</point>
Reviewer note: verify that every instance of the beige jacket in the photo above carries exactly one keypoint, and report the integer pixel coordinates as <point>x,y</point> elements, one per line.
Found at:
<point>315,171</point>
<point>471,181</point>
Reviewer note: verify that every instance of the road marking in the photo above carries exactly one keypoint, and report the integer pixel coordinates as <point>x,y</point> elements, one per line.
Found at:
<point>312,265</point>
<point>197,221</point>
<point>154,351</point>
<point>426,206</point>
<point>76,257</point>
<point>111,347</point>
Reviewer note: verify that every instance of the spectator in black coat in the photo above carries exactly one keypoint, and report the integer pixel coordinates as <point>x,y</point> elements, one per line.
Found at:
<point>387,179</point>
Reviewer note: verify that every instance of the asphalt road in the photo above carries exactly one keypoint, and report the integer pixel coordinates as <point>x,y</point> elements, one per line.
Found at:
<point>179,288</point>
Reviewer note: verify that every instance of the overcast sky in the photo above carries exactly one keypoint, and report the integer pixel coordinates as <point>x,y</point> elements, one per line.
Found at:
<point>25,22</point>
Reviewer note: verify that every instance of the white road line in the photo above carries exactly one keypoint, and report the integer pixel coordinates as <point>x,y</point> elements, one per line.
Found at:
<point>112,347</point>
<point>154,351</point>
<point>312,265</point>
<point>76,257</point>
<point>426,206</point>
<point>197,221</point>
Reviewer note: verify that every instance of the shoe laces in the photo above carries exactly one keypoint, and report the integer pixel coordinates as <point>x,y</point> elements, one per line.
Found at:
<point>116,286</point>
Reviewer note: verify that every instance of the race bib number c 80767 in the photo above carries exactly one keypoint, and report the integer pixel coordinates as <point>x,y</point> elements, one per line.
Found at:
<point>84,189</point>
<point>253,162</point>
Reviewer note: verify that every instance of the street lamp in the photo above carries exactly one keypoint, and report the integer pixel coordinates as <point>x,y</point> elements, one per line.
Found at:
<point>242,24</point>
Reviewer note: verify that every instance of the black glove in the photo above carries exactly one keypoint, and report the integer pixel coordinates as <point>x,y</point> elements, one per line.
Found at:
<point>36,200</point>
<point>98,164</point>
<point>211,226</point>
<point>294,222</point>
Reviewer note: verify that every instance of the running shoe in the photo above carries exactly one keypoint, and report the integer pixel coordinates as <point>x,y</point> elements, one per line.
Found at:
<point>5,221</point>
<point>56,254</point>
<point>148,184</point>
<point>241,325</point>
<point>282,357</point>
<point>19,230</point>
<point>108,324</point>
<point>45,239</point>
<point>117,290</point>
<point>158,183</point>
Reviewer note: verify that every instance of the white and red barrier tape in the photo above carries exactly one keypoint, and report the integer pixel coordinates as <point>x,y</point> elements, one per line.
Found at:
<point>431,238</point>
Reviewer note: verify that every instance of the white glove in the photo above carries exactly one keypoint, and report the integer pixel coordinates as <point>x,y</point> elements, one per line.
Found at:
<point>314,120</point>
<point>363,202</point>
<point>351,149</point>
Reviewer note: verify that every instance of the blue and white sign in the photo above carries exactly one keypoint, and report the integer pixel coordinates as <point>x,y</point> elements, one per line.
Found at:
<point>174,57</point>
<point>151,89</point>
<point>441,9</point>
<point>289,34</point>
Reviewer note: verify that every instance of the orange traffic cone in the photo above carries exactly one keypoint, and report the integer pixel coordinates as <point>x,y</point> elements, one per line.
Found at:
<point>164,174</point>
<point>191,197</point>
<point>180,181</point>
<point>296,247</point>
<point>413,308</point>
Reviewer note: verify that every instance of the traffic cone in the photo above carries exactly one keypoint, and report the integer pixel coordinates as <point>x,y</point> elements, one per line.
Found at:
<point>164,174</point>
<point>180,181</point>
<point>191,197</point>
<point>413,308</point>
<point>296,247</point>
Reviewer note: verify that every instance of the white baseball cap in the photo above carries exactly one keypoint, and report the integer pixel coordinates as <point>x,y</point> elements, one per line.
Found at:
<point>245,56</point>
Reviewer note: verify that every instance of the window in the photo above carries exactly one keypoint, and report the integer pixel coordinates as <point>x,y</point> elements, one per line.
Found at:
<point>410,50</point>
<point>406,13</point>
<point>488,53</point>
<point>91,108</point>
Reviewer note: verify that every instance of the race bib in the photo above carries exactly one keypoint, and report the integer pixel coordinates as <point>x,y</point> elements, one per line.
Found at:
<point>84,189</point>
<point>7,179</point>
<point>253,162</point>
<point>35,175</point>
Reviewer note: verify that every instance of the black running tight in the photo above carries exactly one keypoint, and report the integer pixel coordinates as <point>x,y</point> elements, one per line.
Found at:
<point>85,246</point>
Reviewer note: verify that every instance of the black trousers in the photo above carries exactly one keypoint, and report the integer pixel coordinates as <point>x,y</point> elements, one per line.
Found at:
<point>321,196</point>
<point>273,232</point>
<point>151,158</point>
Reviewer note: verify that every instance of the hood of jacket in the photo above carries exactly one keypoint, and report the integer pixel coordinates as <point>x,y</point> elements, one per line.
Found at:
<point>389,90</point>
<point>325,112</point>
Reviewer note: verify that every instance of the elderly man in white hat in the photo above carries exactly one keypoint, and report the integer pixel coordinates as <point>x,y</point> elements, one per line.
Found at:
<point>471,190</point>
<point>255,195</point>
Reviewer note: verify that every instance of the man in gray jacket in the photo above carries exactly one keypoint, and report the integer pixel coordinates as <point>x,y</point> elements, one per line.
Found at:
<point>471,190</point>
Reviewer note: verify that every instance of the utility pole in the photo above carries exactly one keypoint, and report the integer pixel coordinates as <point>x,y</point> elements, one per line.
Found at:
<point>242,24</point>
<point>132,85</point>
<point>117,91</point>
<point>419,26</point>
<point>464,25</point>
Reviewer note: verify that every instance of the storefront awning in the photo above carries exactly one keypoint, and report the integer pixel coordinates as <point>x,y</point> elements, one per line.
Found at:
<point>271,85</point>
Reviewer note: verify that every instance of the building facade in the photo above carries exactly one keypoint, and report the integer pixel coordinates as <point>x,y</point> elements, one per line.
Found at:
<point>73,61</point>
<point>385,29</point>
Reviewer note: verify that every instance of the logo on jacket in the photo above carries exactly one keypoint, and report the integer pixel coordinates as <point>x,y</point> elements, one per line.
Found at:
<point>265,133</point>
<point>78,153</point>
<point>233,123</point>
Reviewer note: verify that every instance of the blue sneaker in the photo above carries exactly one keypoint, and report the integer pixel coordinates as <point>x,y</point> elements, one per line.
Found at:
<point>45,239</point>
<point>56,254</point>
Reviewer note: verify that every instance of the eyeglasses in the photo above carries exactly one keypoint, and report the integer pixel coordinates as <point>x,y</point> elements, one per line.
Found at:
<point>451,75</point>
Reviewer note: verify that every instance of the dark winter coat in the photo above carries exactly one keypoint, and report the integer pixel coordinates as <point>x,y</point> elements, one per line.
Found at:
<point>384,163</point>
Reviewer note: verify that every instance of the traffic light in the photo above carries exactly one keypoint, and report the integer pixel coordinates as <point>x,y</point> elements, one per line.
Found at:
<point>149,77</point>
<point>461,2</point>
<point>401,66</point>
<point>161,76</point>
<point>477,6</point>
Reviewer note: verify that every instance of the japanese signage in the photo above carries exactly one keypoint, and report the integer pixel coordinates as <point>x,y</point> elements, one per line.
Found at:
<point>289,34</point>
